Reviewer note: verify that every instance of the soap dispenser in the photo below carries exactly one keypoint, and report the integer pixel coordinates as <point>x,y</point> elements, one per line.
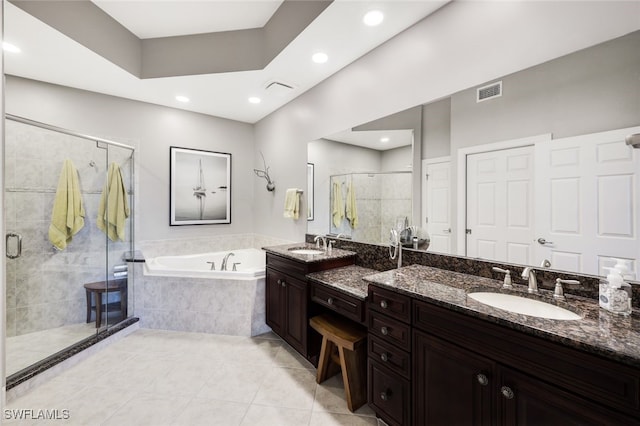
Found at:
<point>615,293</point>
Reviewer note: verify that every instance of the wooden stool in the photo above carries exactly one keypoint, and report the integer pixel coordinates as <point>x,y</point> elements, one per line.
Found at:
<point>99,288</point>
<point>350,341</point>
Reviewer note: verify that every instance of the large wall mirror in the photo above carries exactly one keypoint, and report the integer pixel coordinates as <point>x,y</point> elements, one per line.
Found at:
<point>528,167</point>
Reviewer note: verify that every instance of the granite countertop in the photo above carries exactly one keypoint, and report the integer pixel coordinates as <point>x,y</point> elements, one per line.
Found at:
<point>599,332</point>
<point>347,279</point>
<point>285,250</point>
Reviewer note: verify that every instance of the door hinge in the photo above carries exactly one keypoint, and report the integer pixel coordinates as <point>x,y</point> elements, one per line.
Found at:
<point>468,231</point>
<point>426,220</point>
<point>426,176</point>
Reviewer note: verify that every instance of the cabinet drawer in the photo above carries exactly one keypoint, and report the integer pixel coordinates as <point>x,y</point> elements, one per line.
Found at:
<point>287,266</point>
<point>345,305</point>
<point>389,395</point>
<point>389,330</point>
<point>395,305</point>
<point>396,360</point>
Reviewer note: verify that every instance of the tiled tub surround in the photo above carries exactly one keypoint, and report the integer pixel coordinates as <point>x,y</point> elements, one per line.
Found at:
<point>377,257</point>
<point>218,306</point>
<point>599,332</point>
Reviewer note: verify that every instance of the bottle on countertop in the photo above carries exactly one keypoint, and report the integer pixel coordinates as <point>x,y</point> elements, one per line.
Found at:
<point>615,293</point>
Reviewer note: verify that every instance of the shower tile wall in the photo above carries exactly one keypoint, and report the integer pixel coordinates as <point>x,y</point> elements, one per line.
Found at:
<point>45,286</point>
<point>396,194</point>
<point>381,199</point>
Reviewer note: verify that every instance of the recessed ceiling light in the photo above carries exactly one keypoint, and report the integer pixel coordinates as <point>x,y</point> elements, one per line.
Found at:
<point>384,139</point>
<point>8,47</point>
<point>373,18</point>
<point>181,98</point>
<point>254,100</point>
<point>319,58</point>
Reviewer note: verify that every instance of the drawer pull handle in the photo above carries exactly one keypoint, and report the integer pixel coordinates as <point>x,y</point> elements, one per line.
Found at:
<point>330,300</point>
<point>386,395</point>
<point>384,357</point>
<point>482,379</point>
<point>282,283</point>
<point>384,304</point>
<point>507,392</point>
<point>384,331</point>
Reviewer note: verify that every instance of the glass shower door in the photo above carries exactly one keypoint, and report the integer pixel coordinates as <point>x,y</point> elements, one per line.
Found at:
<point>52,180</point>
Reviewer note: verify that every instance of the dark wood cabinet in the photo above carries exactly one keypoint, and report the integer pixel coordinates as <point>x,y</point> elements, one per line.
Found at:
<point>468,371</point>
<point>389,363</point>
<point>288,298</point>
<point>452,386</point>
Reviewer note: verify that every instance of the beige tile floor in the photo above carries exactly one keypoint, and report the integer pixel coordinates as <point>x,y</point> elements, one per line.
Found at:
<point>26,349</point>
<point>154,377</point>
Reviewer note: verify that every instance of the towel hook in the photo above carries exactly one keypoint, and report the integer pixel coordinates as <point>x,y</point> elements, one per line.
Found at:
<point>265,174</point>
<point>92,163</point>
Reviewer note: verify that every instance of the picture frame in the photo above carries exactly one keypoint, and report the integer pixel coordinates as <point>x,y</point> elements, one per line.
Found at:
<point>310,193</point>
<point>200,187</point>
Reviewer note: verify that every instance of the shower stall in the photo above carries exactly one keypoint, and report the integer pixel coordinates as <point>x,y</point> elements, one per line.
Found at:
<point>69,211</point>
<point>380,199</point>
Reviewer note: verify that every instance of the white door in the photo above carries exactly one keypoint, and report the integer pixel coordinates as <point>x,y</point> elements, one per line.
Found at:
<point>500,214</point>
<point>589,214</point>
<point>436,212</point>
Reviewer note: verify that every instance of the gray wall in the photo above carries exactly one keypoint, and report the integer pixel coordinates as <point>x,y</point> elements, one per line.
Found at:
<point>436,129</point>
<point>153,129</point>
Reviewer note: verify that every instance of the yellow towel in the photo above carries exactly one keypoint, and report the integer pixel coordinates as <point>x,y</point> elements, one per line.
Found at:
<point>114,206</point>
<point>292,203</point>
<point>338,207</point>
<point>352,209</point>
<point>67,217</point>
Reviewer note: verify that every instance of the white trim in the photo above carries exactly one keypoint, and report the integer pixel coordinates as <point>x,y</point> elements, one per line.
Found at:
<point>461,187</point>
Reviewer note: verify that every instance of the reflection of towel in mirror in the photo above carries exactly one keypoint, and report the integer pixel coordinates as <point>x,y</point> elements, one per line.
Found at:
<point>114,206</point>
<point>352,209</point>
<point>67,217</point>
<point>292,203</point>
<point>338,207</point>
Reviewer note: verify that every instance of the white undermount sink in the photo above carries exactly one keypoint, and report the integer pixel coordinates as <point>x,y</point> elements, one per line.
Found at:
<point>524,306</point>
<point>305,251</point>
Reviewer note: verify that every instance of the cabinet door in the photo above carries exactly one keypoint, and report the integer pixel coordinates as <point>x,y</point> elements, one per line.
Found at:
<point>525,400</point>
<point>452,386</point>
<point>275,296</point>
<point>296,323</point>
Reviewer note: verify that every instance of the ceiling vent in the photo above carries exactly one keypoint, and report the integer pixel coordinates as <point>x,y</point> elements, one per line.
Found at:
<point>491,91</point>
<point>278,89</point>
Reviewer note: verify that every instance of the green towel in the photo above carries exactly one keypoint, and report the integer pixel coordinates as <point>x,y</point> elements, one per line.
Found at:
<point>67,217</point>
<point>114,206</point>
<point>352,209</point>
<point>338,207</point>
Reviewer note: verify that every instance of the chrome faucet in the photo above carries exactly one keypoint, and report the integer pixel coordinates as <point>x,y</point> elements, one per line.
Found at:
<point>224,261</point>
<point>529,274</point>
<point>317,239</point>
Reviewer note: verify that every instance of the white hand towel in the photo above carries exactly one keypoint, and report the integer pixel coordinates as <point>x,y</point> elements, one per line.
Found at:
<point>338,207</point>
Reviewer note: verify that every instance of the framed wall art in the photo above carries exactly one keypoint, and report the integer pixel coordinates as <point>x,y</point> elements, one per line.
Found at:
<point>200,187</point>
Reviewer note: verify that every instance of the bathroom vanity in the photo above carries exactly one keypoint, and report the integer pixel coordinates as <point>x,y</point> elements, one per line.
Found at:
<point>288,292</point>
<point>437,356</point>
<point>473,364</point>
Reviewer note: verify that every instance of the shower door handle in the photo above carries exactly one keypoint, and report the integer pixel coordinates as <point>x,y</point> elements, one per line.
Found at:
<point>18,245</point>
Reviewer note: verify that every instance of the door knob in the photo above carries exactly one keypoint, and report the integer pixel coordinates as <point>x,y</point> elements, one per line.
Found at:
<point>542,241</point>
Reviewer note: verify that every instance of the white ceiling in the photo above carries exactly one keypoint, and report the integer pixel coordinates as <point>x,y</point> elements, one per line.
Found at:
<point>48,55</point>
<point>153,18</point>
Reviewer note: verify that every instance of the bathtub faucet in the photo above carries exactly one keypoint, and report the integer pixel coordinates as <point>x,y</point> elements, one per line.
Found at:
<point>224,261</point>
